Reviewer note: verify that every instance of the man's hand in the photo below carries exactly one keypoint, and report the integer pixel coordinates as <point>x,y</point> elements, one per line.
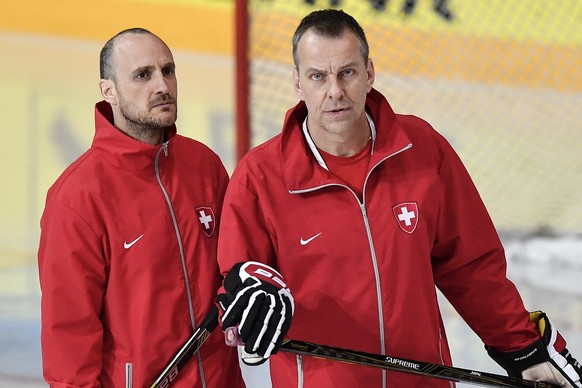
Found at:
<point>258,301</point>
<point>545,360</point>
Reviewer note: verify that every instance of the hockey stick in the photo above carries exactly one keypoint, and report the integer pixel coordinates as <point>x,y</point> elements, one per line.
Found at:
<point>408,366</point>
<point>187,350</point>
<point>438,371</point>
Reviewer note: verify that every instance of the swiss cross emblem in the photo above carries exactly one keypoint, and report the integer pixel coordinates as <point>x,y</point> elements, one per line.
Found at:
<point>406,214</point>
<point>206,219</point>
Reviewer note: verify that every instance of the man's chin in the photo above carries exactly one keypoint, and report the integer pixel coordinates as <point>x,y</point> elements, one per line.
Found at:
<point>167,120</point>
<point>339,126</point>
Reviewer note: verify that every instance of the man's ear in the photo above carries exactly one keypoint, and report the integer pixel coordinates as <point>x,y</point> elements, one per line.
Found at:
<point>371,74</point>
<point>108,91</point>
<point>297,84</point>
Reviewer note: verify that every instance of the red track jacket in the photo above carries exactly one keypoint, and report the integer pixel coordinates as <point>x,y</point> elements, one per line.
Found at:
<point>363,275</point>
<point>127,263</point>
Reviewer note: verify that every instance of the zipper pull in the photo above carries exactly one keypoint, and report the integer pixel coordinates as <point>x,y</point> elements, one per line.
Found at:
<point>363,208</point>
<point>165,146</point>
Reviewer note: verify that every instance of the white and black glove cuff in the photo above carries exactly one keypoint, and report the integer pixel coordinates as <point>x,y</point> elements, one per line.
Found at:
<point>546,360</point>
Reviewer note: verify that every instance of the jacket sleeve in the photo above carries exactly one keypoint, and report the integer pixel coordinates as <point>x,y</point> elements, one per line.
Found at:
<point>470,265</point>
<point>221,184</point>
<point>72,279</point>
<point>244,230</point>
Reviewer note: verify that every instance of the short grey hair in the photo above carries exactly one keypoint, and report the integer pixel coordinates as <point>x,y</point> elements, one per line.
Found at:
<point>330,23</point>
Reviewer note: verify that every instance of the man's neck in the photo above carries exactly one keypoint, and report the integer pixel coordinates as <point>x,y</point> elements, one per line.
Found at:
<point>343,144</point>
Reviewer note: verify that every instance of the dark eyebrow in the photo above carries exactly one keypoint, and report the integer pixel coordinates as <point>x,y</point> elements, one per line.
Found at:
<point>142,69</point>
<point>170,65</point>
<point>313,70</point>
<point>351,64</point>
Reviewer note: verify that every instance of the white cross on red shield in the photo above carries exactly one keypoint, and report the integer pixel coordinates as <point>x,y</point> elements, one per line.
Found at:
<point>406,214</point>
<point>206,218</point>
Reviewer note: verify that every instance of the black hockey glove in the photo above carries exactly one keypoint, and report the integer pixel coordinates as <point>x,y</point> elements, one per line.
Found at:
<point>258,301</point>
<point>545,360</point>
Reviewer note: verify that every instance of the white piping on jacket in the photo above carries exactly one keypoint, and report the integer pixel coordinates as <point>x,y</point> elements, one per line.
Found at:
<point>182,255</point>
<point>362,206</point>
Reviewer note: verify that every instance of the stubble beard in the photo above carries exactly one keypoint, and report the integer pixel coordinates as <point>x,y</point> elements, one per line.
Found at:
<point>141,123</point>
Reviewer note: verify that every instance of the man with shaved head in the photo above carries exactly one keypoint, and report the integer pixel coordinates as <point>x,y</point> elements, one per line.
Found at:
<point>127,256</point>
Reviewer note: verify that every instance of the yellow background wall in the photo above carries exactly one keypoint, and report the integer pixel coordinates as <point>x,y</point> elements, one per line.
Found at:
<point>192,25</point>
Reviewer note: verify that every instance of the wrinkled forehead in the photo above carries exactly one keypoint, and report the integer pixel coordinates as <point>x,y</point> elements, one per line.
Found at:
<point>140,50</point>
<point>315,48</point>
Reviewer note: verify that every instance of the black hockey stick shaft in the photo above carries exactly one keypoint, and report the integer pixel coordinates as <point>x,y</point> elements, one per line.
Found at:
<point>189,349</point>
<point>408,366</point>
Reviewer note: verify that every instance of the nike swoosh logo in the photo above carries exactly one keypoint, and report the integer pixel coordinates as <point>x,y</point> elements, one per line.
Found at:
<point>305,242</point>
<point>127,245</point>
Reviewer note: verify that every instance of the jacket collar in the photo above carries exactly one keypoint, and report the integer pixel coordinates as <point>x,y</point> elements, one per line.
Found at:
<point>301,165</point>
<point>121,150</point>
<point>315,150</point>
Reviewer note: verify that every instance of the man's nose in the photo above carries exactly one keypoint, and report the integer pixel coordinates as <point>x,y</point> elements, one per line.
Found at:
<point>162,84</point>
<point>335,88</point>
